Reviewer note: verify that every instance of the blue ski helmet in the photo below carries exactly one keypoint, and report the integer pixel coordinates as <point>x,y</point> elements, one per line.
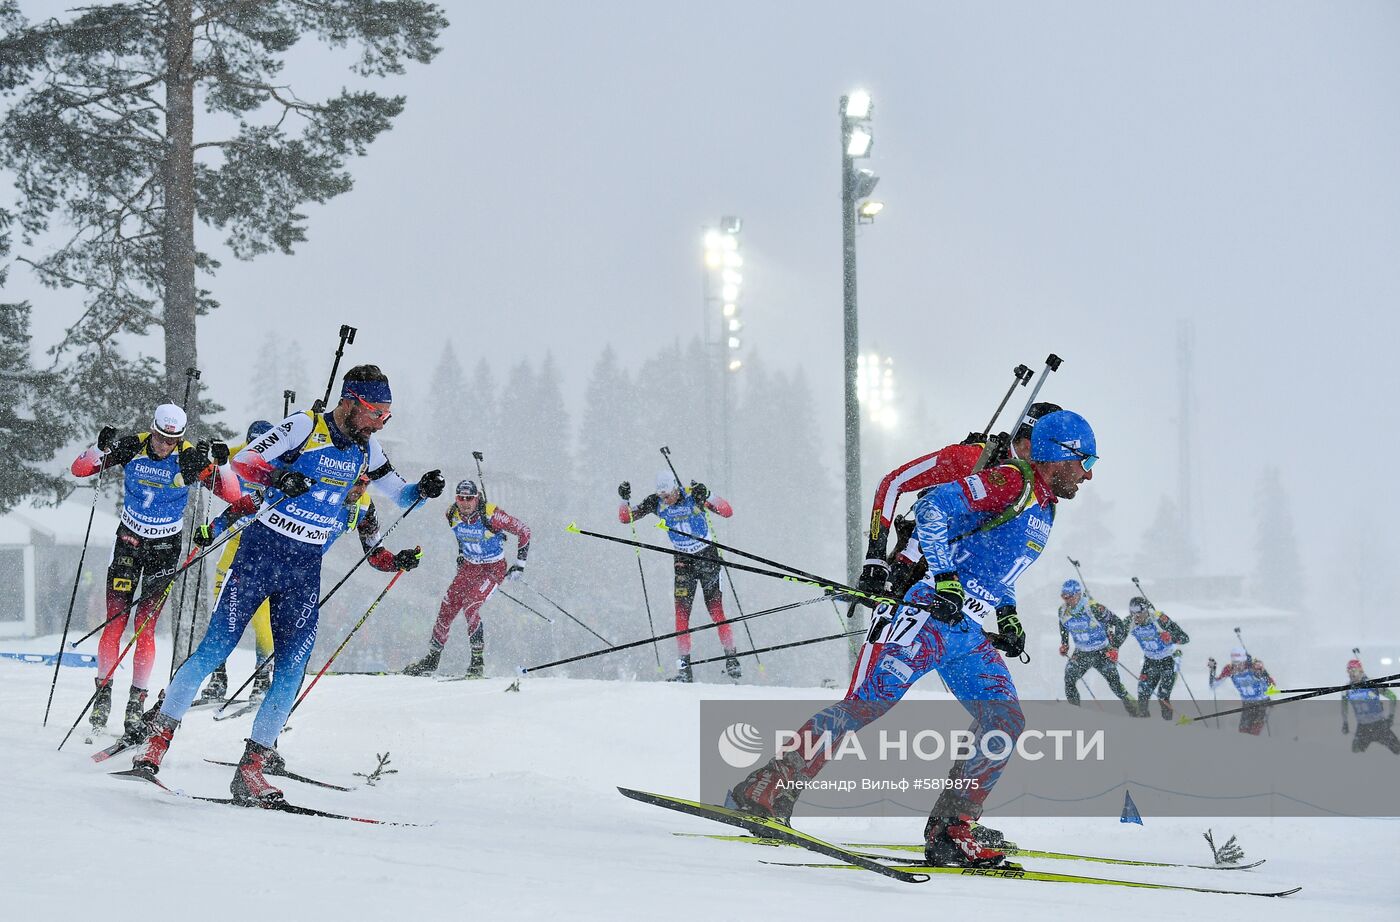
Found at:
<point>1071,587</point>
<point>257,427</point>
<point>1063,436</point>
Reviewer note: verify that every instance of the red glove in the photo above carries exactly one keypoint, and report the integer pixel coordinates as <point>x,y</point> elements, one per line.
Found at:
<point>1166,637</point>
<point>1064,649</point>
<point>1112,655</point>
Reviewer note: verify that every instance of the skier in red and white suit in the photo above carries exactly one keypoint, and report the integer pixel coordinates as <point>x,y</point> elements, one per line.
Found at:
<point>480,528</point>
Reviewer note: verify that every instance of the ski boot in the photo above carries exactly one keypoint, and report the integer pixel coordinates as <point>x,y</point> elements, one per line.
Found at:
<point>249,787</point>
<point>163,728</point>
<point>261,683</point>
<point>1167,712</point>
<point>731,665</point>
<point>217,689</point>
<point>683,673</point>
<point>135,707</point>
<point>769,791</point>
<point>477,669</point>
<point>101,705</point>
<point>954,842</point>
<point>426,665</point>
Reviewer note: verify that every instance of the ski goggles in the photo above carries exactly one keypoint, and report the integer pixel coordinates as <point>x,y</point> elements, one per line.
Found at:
<point>1085,459</point>
<point>377,414</point>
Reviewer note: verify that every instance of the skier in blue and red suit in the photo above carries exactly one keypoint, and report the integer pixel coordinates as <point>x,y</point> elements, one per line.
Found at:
<point>979,534</point>
<point>308,463</point>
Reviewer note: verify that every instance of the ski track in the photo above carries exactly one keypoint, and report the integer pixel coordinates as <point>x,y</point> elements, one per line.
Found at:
<point>528,822</point>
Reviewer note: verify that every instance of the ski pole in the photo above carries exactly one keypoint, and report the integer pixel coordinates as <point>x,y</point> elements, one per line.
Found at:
<point>196,555</point>
<point>288,397</point>
<point>180,599</point>
<point>565,613</point>
<point>72,599</point>
<point>734,550</point>
<point>1022,376</point>
<point>646,640</point>
<point>358,624</point>
<point>835,588</point>
<point>782,646</point>
<point>257,671</point>
<point>524,606</point>
<point>480,477</point>
<point>1182,676</point>
<point>146,621</point>
<point>1268,704</point>
<point>641,571</point>
<point>326,598</point>
<point>347,335</point>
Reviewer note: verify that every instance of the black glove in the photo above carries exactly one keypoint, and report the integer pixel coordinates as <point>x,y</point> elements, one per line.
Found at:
<point>106,438</point>
<point>408,558</point>
<point>219,452</point>
<point>624,490</point>
<point>194,461</point>
<point>872,580</point>
<point>292,483</point>
<point>461,560</point>
<point>431,484</point>
<point>943,597</point>
<point>516,571</point>
<point>1012,637</point>
<point>202,536</point>
<point>699,491</point>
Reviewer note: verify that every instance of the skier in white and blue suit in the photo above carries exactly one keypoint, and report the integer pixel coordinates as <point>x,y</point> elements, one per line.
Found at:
<point>979,534</point>
<point>308,463</point>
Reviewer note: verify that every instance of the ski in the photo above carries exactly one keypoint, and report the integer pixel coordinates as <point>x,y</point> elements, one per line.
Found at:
<point>208,702</point>
<point>769,828</point>
<point>121,745</point>
<point>1010,848</point>
<point>1018,873</point>
<point>292,775</point>
<point>246,709</point>
<point>277,807</point>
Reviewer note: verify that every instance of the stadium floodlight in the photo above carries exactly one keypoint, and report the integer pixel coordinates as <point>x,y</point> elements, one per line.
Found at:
<point>858,106</point>
<point>868,210</point>
<point>859,145</point>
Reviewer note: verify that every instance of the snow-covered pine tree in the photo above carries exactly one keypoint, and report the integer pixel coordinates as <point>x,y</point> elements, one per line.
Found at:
<point>132,122</point>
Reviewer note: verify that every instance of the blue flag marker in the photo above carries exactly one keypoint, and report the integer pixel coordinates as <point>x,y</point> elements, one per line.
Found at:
<point>1130,810</point>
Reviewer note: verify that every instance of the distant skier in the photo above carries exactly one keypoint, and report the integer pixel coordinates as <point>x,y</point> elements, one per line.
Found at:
<point>1159,637</point>
<point>1373,723</point>
<point>357,512</point>
<point>308,462</point>
<point>1252,681</point>
<point>481,566</point>
<point>979,535</point>
<point>159,467</point>
<point>686,511</point>
<point>1097,634</point>
<point>946,465</point>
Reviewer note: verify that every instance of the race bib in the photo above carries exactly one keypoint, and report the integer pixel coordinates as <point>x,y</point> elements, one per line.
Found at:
<point>902,625</point>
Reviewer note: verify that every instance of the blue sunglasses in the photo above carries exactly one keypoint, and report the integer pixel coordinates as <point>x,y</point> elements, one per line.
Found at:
<point>1086,459</point>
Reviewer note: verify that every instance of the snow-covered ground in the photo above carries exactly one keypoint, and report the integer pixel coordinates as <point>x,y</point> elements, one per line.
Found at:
<point>527,823</point>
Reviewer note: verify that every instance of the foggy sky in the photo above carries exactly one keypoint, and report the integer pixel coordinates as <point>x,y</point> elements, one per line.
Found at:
<point>1075,178</point>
